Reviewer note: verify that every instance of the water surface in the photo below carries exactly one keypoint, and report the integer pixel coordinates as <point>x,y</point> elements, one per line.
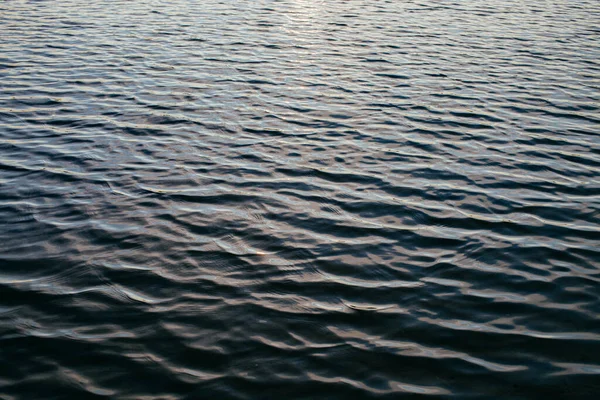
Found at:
<point>299,199</point>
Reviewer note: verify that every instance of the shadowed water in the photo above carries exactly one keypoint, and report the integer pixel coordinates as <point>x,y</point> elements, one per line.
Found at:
<point>299,199</point>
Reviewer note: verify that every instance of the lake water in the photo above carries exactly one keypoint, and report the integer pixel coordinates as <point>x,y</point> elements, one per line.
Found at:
<point>299,199</point>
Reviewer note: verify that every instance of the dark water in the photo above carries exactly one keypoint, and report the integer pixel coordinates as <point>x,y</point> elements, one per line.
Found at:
<point>299,199</point>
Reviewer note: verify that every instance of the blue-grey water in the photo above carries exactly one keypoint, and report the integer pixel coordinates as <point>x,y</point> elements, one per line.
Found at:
<point>303,199</point>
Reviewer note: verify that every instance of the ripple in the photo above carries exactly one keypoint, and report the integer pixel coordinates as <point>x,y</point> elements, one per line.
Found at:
<point>333,199</point>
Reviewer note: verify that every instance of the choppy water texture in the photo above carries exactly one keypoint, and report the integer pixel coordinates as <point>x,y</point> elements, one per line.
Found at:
<point>299,199</point>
